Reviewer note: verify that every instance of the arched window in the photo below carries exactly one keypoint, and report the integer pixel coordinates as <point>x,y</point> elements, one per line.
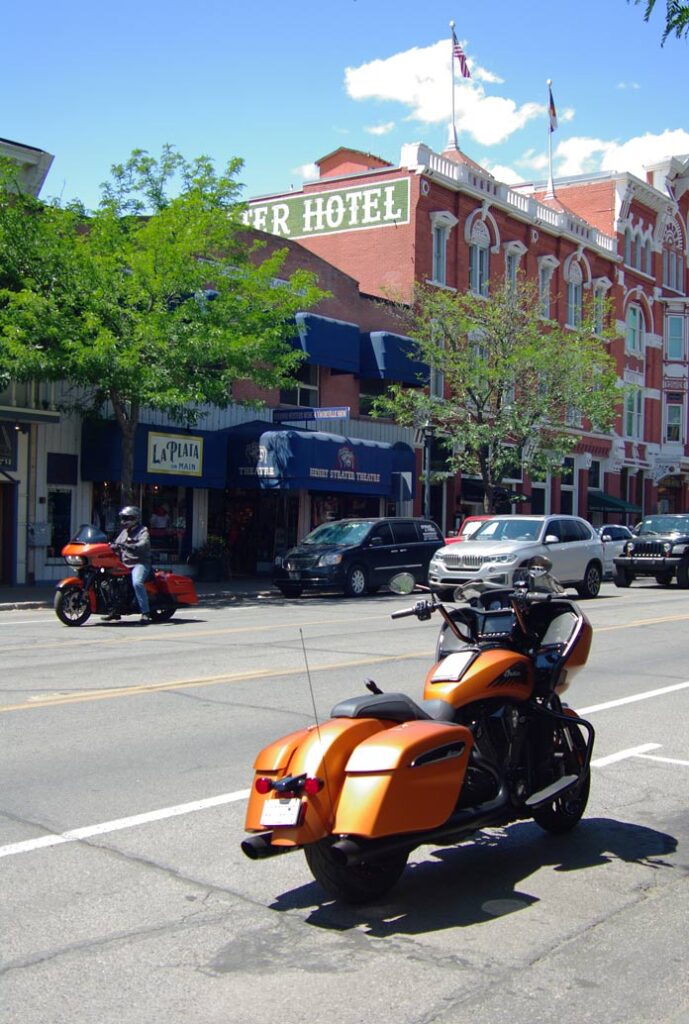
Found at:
<point>634,336</point>
<point>575,280</point>
<point>479,258</point>
<point>673,276</point>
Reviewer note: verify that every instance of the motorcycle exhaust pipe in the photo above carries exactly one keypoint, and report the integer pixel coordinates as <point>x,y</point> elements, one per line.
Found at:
<point>258,847</point>
<point>349,852</point>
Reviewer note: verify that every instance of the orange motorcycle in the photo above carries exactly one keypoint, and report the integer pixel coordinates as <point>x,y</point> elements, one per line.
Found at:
<point>491,743</point>
<point>102,584</point>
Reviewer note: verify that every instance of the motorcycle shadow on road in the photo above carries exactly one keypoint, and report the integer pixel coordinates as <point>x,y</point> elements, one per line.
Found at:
<point>472,883</point>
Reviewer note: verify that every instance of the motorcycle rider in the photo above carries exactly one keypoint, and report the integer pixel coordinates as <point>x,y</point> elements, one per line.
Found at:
<point>134,546</point>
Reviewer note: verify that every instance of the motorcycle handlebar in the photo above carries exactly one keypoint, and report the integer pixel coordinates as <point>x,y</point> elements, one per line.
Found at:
<point>420,609</point>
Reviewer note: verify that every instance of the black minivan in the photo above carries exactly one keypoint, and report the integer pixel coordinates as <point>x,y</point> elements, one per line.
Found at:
<point>358,556</point>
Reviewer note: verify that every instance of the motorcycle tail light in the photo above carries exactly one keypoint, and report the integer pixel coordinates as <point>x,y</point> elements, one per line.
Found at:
<point>313,785</point>
<point>263,785</point>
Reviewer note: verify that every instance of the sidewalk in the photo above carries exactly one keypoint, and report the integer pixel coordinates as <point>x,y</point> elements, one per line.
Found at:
<point>40,595</point>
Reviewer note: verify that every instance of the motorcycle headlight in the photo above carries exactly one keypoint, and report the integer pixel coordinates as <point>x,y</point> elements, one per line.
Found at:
<point>76,560</point>
<point>333,558</point>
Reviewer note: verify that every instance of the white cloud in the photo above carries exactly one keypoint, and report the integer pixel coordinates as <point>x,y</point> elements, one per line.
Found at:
<point>380,129</point>
<point>628,85</point>
<point>306,171</point>
<point>503,173</point>
<point>585,155</point>
<point>420,80</point>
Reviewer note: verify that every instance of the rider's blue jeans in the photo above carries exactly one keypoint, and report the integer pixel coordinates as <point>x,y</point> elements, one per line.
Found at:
<point>139,576</point>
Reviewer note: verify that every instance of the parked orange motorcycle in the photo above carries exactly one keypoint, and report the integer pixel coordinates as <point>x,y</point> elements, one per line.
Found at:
<point>102,584</point>
<point>490,743</point>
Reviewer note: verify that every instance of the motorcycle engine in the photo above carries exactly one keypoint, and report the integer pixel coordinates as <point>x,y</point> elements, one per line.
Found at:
<point>116,592</point>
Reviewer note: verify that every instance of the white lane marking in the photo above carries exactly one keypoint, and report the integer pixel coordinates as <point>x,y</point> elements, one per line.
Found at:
<point>226,798</point>
<point>622,755</point>
<point>665,760</point>
<point>630,700</point>
<point>119,823</point>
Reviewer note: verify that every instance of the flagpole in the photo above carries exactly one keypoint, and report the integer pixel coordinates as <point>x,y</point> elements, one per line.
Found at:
<point>550,190</point>
<point>452,135</point>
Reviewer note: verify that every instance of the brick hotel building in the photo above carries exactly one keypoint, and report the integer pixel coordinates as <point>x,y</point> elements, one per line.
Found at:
<point>442,219</point>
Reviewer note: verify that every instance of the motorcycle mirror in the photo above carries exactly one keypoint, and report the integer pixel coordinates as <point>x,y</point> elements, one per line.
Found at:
<point>402,583</point>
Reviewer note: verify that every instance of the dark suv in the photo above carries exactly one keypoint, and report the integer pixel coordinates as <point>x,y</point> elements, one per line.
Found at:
<point>358,556</point>
<point>659,548</point>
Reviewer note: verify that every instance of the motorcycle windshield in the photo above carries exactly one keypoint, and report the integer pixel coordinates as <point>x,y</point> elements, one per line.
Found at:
<point>87,534</point>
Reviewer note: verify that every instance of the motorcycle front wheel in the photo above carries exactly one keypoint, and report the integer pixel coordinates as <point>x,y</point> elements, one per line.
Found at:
<point>354,883</point>
<point>566,811</point>
<point>72,606</point>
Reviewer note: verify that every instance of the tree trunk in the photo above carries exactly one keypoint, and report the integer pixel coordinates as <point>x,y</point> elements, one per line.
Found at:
<point>128,421</point>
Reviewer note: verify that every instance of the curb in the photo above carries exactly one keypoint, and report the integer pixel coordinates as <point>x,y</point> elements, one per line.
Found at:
<point>227,596</point>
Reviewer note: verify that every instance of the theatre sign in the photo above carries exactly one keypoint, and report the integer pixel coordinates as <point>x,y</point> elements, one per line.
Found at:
<point>356,208</point>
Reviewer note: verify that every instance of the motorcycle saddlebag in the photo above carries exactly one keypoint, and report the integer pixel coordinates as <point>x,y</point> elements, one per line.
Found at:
<point>181,588</point>
<point>403,779</point>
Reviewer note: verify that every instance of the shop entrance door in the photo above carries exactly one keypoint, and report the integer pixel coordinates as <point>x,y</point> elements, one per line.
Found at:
<point>7,552</point>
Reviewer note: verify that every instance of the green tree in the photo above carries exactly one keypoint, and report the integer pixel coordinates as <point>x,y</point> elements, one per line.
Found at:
<point>157,299</point>
<point>515,386</point>
<point>676,16</point>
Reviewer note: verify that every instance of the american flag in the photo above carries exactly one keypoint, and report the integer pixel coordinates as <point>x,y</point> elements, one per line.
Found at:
<point>552,113</point>
<point>458,52</point>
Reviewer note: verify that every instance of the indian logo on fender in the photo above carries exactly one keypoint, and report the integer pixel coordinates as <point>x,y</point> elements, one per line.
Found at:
<point>515,675</point>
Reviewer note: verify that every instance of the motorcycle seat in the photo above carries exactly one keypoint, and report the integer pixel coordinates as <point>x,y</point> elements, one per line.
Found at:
<point>394,707</point>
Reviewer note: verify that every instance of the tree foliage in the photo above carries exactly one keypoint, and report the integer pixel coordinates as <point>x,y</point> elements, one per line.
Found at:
<point>157,299</point>
<point>515,385</point>
<point>676,17</point>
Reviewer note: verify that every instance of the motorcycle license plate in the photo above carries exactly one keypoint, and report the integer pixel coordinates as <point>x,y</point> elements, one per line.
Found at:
<point>281,812</point>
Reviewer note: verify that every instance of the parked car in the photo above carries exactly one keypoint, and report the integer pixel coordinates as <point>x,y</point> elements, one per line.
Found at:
<point>506,543</point>
<point>613,537</point>
<point>468,528</point>
<point>358,556</point>
<point>659,548</point>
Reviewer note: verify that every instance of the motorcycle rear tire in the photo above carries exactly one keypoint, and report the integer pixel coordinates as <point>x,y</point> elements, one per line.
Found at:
<point>356,883</point>
<point>72,606</point>
<point>567,810</point>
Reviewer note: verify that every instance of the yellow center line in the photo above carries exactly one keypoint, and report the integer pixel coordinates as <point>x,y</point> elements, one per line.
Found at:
<point>182,684</point>
<point>84,696</point>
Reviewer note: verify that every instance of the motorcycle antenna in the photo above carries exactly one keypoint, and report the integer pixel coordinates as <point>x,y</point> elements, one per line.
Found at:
<point>315,712</point>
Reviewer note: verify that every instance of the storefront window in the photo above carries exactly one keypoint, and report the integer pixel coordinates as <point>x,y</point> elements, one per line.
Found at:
<point>166,511</point>
<point>59,521</point>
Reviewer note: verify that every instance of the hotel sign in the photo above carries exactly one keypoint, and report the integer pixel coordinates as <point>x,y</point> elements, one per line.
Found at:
<point>177,454</point>
<point>355,208</point>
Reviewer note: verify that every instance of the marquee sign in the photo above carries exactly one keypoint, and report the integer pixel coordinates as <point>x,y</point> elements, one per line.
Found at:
<point>180,454</point>
<point>355,208</point>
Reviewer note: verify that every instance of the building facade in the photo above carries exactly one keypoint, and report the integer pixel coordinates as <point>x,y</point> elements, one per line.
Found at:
<point>442,219</point>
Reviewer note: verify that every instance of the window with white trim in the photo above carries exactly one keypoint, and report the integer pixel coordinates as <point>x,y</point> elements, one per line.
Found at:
<point>634,330</point>
<point>633,413</point>
<point>442,222</point>
<point>546,268</point>
<point>673,276</point>
<point>575,285</point>
<point>674,337</point>
<point>479,263</point>
<point>600,289</point>
<point>674,417</point>
<point>305,391</point>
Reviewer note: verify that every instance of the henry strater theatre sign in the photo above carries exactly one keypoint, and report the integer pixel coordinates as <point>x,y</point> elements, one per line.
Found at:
<point>355,208</point>
<point>181,454</point>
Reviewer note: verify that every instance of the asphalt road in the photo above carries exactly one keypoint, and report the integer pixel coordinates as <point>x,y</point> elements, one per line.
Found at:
<point>125,899</point>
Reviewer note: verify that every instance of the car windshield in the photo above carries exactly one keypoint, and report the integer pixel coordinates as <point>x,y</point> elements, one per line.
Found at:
<point>664,524</point>
<point>342,532</point>
<point>470,528</point>
<point>509,529</point>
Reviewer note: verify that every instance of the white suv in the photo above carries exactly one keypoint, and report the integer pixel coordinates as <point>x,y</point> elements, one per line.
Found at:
<point>506,543</point>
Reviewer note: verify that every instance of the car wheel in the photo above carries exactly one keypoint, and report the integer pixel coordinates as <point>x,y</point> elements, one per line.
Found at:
<point>289,590</point>
<point>621,577</point>
<point>664,579</point>
<point>590,585</point>
<point>683,575</point>
<point>355,582</point>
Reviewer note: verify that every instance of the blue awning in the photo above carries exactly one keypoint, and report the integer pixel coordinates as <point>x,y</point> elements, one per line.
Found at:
<point>303,459</point>
<point>328,342</point>
<point>392,357</point>
<point>101,455</point>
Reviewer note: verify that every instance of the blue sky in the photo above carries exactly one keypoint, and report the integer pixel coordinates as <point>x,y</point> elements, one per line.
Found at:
<point>281,85</point>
